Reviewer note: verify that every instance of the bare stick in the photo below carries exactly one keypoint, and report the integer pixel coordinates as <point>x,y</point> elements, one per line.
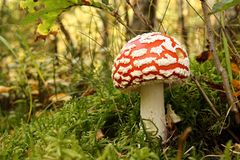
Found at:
<point>205,96</point>
<point>216,59</point>
<point>142,17</point>
<point>181,142</point>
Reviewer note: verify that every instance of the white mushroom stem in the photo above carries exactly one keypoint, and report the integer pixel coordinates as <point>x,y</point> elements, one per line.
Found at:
<point>152,109</point>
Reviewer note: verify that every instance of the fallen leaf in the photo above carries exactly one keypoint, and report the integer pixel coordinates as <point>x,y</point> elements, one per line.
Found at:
<point>236,84</point>
<point>204,56</point>
<point>86,2</point>
<point>170,112</point>
<point>4,89</point>
<point>60,97</point>
<point>235,68</point>
<point>33,83</point>
<point>237,147</point>
<point>236,94</point>
<point>99,135</point>
<point>34,86</point>
<point>171,117</point>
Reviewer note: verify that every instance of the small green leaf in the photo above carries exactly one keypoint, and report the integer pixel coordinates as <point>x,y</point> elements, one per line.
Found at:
<point>224,4</point>
<point>45,12</point>
<point>48,21</point>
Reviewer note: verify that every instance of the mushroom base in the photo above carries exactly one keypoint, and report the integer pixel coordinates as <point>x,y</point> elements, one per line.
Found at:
<point>152,109</point>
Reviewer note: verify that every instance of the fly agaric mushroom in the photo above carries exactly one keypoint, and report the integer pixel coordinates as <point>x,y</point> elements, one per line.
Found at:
<point>144,64</point>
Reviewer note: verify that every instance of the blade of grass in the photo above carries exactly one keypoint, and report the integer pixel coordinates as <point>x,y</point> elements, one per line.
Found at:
<point>21,71</point>
<point>226,50</point>
<point>227,57</point>
<point>219,67</point>
<point>5,42</point>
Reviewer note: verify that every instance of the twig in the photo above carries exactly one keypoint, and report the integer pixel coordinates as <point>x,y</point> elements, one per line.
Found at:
<point>205,96</point>
<point>233,49</point>
<point>164,15</point>
<point>194,9</point>
<point>141,16</point>
<point>106,8</point>
<point>181,142</point>
<point>214,108</point>
<point>216,59</point>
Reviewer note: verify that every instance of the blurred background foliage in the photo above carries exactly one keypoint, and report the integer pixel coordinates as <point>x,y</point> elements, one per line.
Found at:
<point>52,57</point>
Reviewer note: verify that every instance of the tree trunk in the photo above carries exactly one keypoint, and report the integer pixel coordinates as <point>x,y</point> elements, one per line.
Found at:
<point>182,27</point>
<point>144,16</point>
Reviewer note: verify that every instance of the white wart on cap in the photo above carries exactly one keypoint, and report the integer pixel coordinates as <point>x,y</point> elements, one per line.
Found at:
<point>150,57</point>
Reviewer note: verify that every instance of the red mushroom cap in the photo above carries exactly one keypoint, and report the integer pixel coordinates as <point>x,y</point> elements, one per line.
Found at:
<point>150,57</point>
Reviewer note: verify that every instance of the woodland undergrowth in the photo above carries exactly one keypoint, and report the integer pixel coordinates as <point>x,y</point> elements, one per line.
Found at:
<point>57,100</point>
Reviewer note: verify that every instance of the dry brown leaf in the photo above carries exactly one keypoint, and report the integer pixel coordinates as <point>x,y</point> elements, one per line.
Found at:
<point>236,84</point>
<point>35,92</point>
<point>4,89</point>
<point>99,135</point>
<point>33,84</point>
<point>60,97</point>
<point>235,68</point>
<point>204,56</point>
<point>86,2</point>
<point>236,94</point>
<point>237,147</point>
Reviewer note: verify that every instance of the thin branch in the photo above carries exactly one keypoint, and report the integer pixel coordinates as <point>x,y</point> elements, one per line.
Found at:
<point>146,22</point>
<point>181,142</point>
<point>118,18</point>
<point>107,8</point>
<point>194,10</point>
<point>216,59</point>
<point>205,96</point>
<point>165,12</point>
<point>65,32</point>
